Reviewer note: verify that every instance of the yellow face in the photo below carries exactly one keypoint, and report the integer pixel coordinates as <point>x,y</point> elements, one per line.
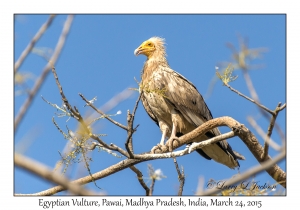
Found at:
<point>146,48</point>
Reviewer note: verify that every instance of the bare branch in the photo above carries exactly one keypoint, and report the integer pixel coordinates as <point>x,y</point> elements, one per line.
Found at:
<point>128,142</point>
<point>98,175</point>
<point>282,107</point>
<point>136,104</point>
<point>153,178</point>
<point>31,44</point>
<point>104,115</point>
<point>152,187</point>
<point>130,129</point>
<point>260,131</point>
<point>116,148</point>
<point>255,170</point>
<point>181,177</point>
<point>215,139</point>
<point>253,101</point>
<point>250,84</point>
<point>140,178</point>
<point>270,129</point>
<point>185,151</point>
<point>45,71</point>
<point>46,173</point>
<point>111,146</point>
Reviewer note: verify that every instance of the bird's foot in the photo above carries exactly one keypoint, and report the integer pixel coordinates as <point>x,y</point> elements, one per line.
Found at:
<point>170,142</point>
<point>159,148</point>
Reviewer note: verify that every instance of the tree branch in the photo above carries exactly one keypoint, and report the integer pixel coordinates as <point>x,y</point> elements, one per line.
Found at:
<point>140,178</point>
<point>45,71</point>
<point>104,115</point>
<point>98,175</point>
<point>46,173</point>
<point>152,187</point>
<point>263,135</point>
<point>250,99</point>
<point>181,177</point>
<point>270,129</point>
<point>31,44</point>
<point>130,129</point>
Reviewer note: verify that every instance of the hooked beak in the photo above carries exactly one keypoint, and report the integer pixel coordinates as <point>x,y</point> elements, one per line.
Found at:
<point>138,51</point>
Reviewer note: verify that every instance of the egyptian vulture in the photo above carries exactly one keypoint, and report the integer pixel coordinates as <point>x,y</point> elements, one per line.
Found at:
<point>175,104</point>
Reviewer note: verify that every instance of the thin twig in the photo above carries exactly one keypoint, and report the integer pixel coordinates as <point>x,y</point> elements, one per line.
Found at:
<point>260,131</point>
<point>140,178</point>
<point>282,107</point>
<point>45,71</point>
<point>104,115</point>
<point>31,44</point>
<point>111,146</point>
<point>130,129</point>
<point>46,173</point>
<point>136,104</point>
<point>250,85</point>
<point>253,101</point>
<point>270,129</point>
<point>72,110</point>
<point>181,177</point>
<point>255,170</point>
<point>152,187</point>
<point>128,142</point>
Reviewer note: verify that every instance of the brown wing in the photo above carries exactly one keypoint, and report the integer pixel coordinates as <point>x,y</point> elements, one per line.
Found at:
<point>184,96</point>
<point>148,109</point>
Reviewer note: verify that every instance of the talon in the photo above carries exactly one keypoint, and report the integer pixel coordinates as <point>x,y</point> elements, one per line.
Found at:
<point>170,142</point>
<point>158,146</point>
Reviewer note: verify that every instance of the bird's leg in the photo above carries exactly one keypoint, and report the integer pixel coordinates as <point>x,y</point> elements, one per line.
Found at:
<point>163,137</point>
<point>173,137</point>
<point>162,141</point>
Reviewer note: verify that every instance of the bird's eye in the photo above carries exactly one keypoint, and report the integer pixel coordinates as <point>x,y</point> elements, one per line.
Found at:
<point>149,44</point>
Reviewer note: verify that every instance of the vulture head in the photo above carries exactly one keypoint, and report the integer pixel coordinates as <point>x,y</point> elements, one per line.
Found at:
<point>151,48</point>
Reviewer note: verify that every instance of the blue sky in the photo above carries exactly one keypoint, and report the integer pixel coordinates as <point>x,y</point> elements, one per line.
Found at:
<point>98,60</point>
